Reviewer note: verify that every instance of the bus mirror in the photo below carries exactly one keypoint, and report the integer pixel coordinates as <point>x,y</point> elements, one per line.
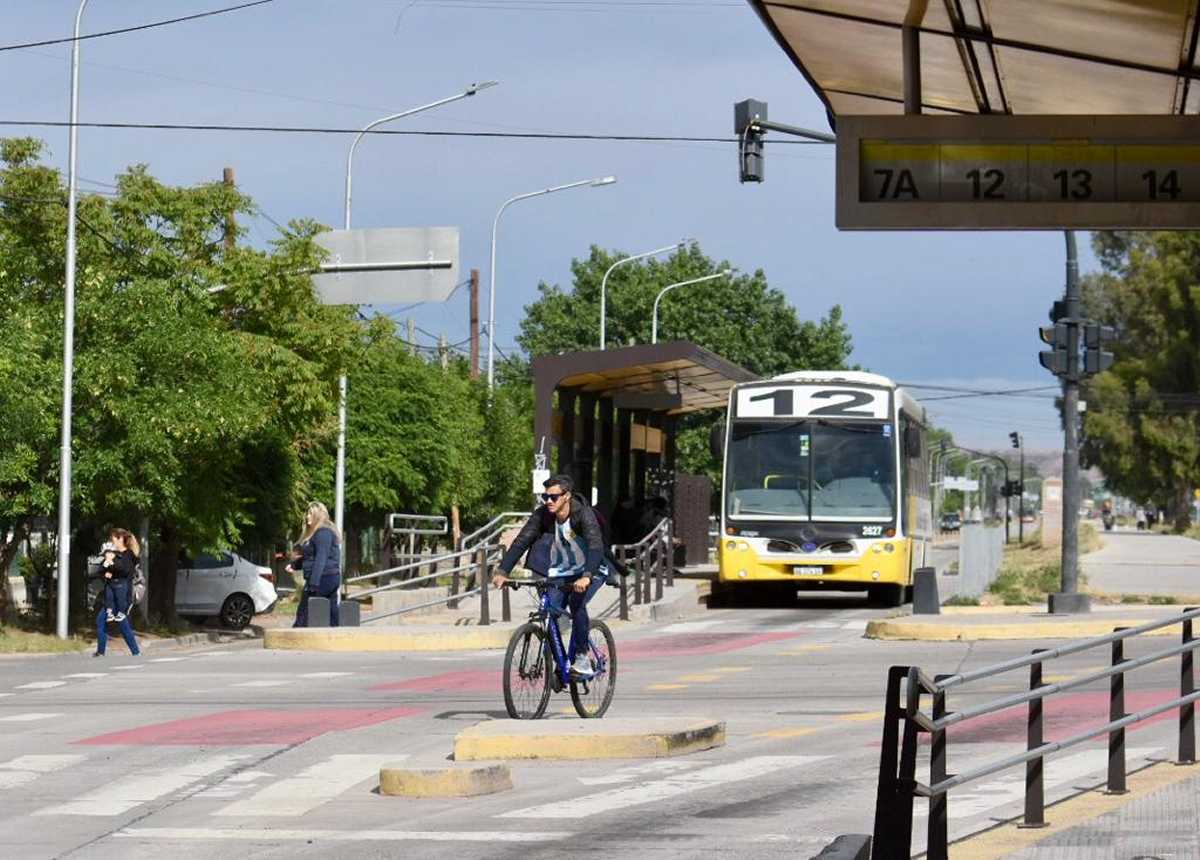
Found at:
<point>912,442</point>
<point>716,440</point>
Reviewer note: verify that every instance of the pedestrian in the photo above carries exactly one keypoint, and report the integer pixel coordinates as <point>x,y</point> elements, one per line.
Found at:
<point>117,571</point>
<point>321,543</point>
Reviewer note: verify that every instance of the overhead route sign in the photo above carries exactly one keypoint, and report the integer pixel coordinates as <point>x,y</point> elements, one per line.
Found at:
<point>1018,172</point>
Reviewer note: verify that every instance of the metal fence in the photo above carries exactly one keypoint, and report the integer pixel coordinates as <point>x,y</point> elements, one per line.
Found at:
<point>650,561</point>
<point>905,721</point>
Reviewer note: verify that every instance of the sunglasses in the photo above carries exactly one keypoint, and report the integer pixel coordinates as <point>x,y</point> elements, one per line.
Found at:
<point>552,497</point>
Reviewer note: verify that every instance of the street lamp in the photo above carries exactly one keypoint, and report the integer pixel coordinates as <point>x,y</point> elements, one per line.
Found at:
<point>340,479</point>
<point>64,457</point>
<point>679,246</point>
<point>654,319</point>
<point>491,331</point>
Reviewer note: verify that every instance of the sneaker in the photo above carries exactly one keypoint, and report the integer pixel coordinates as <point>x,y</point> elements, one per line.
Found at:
<point>120,616</point>
<point>582,665</point>
<point>98,654</point>
<point>110,616</point>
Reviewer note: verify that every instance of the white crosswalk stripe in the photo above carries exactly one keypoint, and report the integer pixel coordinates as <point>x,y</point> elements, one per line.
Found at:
<point>326,674</point>
<point>119,797</point>
<point>26,768</point>
<point>86,675</point>
<point>313,786</point>
<point>40,685</point>
<point>261,683</point>
<point>272,836</point>
<point>668,787</point>
<point>28,718</point>
<point>639,771</point>
<point>167,659</point>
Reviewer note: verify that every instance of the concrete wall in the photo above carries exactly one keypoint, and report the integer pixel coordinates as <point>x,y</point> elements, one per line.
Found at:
<point>980,551</point>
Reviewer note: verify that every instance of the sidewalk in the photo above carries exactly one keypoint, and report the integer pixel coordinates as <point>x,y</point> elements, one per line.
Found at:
<point>973,623</point>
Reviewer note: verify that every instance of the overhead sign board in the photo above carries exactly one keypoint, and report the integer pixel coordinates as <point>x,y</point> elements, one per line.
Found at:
<point>388,265</point>
<point>967,485</point>
<point>1003,172</point>
<point>816,401</point>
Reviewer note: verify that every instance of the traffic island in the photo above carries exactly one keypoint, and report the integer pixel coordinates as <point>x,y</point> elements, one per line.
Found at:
<point>444,781</point>
<point>646,737</point>
<point>970,624</point>
<point>423,638</point>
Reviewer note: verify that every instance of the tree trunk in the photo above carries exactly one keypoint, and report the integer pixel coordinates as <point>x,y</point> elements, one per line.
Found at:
<point>1183,507</point>
<point>164,566</point>
<point>353,545</point>
<point>8,551</point>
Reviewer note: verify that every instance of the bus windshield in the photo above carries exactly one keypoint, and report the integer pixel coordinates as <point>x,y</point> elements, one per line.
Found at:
<point>811,470</point>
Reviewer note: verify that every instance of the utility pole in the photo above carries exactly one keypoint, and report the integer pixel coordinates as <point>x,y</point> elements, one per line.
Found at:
<point>1018,442</point>
<point>1069,599</point>
<point>412,336</point>
<point>230,222</point>
<point>443,351</point>
<point>474,323</point>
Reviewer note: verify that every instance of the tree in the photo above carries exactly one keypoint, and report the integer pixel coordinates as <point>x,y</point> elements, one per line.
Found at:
<point>755,326</point>
<point>1142,425</point>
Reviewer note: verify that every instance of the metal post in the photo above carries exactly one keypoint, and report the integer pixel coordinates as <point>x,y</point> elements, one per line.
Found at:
<point>1116,710</point>
<point>678,246</point>
<point>484,609</point>
<point>671,554</point>
<point>938,824</point>
<point>648,572</point>
<point>910,35</point>
<point>1035,793</point>
<point>660,572</point>
<point>1021,494</point>
<point>906,777</point>
<point>1187,685</point>
<point>505,606</point>
<point>64,457</point>
<point>725,273</point>
<point>887,795</point>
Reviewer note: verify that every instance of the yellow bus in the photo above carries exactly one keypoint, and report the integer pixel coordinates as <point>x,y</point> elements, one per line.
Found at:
<point>825,486</point>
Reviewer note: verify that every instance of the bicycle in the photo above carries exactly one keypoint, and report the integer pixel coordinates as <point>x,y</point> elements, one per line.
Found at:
<point>536,663</point>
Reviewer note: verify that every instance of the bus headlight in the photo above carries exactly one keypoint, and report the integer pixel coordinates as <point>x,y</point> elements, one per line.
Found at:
<point>741,574</point>
<point>877,547</point>
<point>874,574</point>
<point>743,546</point>
<point>889,547</point>
<point>730,545</point>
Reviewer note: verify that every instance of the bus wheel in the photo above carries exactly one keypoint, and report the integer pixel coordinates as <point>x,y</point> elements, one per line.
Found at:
<point>886,595</point>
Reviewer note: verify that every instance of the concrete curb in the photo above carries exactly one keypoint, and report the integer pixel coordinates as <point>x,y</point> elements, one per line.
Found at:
<point>444,781</point>
<point>426,638</point>
<point>850,846</point>
<point>964,631</point>
<point>649,737</point>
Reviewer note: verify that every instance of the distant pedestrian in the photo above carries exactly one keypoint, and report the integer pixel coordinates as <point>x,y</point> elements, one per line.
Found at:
<point>120,560</point>
<point>321,543</point>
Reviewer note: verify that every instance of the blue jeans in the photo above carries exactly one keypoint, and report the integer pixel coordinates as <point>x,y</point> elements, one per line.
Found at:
<point>126,631</point>
<point>116,594</point>
<point>327,587</point>
<point>577,602</point>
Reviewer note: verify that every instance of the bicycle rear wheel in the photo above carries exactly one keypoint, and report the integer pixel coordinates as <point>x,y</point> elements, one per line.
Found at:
<point>592,696</point>
<point>526,679</point>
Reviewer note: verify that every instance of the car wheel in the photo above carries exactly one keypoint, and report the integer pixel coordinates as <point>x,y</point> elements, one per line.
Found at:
<point>236,611</point>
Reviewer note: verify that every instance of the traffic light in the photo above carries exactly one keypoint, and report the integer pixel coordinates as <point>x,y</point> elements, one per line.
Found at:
<point>1016,439</point>
<point>1057,360</point>
<point>1012,488</point>
<point>1096,359</point>
<point>746,118</point>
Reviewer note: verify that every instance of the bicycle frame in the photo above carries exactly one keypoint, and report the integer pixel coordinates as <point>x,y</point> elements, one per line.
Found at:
<point>563,655</point>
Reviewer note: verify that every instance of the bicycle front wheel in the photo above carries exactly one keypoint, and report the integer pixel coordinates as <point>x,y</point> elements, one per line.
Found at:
<point>526,675</point>
<point>592,696</point>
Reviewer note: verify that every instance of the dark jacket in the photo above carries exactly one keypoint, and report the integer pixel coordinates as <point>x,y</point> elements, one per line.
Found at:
<point>322,557</point>
<point>583,522</point>
<point>122,566</point>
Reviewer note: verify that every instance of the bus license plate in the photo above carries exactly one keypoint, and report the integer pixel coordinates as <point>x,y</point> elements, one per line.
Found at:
<point>808,570</point>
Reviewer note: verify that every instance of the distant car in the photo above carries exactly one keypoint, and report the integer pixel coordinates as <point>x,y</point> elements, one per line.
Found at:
<point>951,522</point>
<point>225,586</point>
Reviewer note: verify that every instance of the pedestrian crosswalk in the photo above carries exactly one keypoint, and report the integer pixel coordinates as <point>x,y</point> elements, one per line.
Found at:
<point>311,787</point>
<point>127,793</point>
<point>26,768</point>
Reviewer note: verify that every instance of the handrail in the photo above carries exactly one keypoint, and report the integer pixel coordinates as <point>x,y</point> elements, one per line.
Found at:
<point>469,540</point>
<point>898,785</point>
<point>411,565</point>
<point>484,556</point>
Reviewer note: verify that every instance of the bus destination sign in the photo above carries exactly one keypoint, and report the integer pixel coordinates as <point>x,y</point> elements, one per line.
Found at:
<point>1018,172</point>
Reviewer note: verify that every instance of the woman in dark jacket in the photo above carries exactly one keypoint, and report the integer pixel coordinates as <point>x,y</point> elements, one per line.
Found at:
<point>118,568</point>
<point>322,546</point>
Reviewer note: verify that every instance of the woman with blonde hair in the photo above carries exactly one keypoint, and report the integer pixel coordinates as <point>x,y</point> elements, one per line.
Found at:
<point>321,543</point>
<point>120,562</point>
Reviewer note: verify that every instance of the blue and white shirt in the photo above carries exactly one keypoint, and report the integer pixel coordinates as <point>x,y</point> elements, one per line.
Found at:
<point>568,555</point>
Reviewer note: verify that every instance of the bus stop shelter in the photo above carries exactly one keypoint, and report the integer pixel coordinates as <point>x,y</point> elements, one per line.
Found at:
<point>608,417</point>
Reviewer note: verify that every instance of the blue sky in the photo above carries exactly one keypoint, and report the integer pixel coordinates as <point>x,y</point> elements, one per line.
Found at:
<point>955,309</point>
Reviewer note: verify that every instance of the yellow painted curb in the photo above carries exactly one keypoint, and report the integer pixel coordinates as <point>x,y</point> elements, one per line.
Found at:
<point>444,781</point>
<point>386,639</point>
<point>561,739</point>
<point>965,632</point>
<point>1008,838</point>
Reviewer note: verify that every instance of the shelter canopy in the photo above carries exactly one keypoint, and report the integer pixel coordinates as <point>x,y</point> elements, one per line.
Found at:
<point>1003,56</point>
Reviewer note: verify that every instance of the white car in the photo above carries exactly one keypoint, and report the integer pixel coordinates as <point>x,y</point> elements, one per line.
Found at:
<point>226,586</point>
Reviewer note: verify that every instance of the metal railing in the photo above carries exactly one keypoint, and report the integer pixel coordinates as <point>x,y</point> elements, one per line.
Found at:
<point>492,529</point>
<point>650,560</point>
<point>898,786</point>
<point>476,562</point>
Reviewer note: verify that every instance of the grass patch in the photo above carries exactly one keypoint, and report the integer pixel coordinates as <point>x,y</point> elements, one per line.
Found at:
<point>1163,600</point>
<point>16,641</point>
<point>1131,598</point>
<point>961,600</point>
<point>1031,571</point>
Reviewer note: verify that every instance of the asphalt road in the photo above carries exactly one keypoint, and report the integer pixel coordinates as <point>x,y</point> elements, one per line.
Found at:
<point>1133,562</point>
<point>275,754</point>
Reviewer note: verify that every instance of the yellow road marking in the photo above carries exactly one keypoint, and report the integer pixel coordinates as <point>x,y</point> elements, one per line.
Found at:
<point>794,732</point>
<point>699,679</point>
<point>1075,673</point>
<point>667,687</point>
<point>732,669</point>
<point>804,649</point>
<point>861,717</point>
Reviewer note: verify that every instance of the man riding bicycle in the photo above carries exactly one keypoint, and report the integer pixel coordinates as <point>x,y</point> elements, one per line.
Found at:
<point>576,558</point>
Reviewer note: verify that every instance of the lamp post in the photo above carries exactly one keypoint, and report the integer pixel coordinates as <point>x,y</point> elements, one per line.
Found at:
<point>340,479</point>
<point>679,246</point>
<point>491,331</point>
<point>64,457</point>
<point>654,319</point>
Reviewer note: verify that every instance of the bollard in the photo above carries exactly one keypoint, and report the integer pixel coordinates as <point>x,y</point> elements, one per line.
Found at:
<point>1035,794</point>
<point>349,613</point>
<point>484,609</point>
<point>624,597</point>
<point>505,607</point>
<point>1116,710</point>
<point>318,612</point>
<point>925,592</point>
<point>1187,685</point>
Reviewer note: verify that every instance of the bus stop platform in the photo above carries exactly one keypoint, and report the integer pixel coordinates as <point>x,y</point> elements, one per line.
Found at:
<point>974,623</point>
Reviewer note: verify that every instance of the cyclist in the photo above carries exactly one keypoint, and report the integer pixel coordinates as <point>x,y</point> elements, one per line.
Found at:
<point>576,557</point>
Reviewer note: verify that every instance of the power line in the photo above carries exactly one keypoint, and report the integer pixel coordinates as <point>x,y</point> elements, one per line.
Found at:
<point>136,28</point>
<point>293,129</point>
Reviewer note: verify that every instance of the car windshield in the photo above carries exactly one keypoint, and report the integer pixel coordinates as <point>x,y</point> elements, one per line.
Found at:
<point>811,470</point>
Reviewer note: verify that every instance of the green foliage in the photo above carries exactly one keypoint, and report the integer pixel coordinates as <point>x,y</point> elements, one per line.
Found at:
<point>961,600</point>
<point>1142,427</point>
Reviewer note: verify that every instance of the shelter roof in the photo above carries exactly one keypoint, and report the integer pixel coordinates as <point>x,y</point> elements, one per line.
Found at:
<point>996,56</point>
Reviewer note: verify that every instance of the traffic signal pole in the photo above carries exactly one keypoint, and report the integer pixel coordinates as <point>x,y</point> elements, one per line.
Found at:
<point>1069,600</point>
